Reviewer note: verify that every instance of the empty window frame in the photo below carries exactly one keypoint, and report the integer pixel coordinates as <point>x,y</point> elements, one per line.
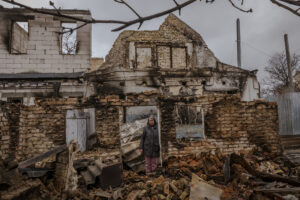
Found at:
<point>171,57</point>
<point>69,43</point>
<point>189,121</point>
<point>143,57</point>
<point>15,100</point>
<point>19,37</point>
<point>135,113</point>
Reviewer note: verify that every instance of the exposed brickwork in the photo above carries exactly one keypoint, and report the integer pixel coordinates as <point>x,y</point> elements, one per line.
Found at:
<point>5,133</point>
<point>42,126</point>
<point>258,121</point>
<point>13,115</point>
<point>172,33</point>
<point>230,125</point>
<point>107,127</point>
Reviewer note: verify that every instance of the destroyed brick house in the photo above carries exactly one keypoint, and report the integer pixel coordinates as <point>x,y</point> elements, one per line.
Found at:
<point>36,61</point>
<point>48,99</point>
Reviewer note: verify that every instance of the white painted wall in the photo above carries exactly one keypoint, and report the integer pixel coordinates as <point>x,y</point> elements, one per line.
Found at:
<point>251,89</point>
<point>76,128</point>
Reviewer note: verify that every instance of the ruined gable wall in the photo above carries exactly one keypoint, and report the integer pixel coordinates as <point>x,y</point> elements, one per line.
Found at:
<point>124,51</point>
<point>202,55</point>
<point>43,48</point>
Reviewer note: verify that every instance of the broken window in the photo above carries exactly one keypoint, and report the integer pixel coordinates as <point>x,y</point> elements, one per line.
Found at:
<point>189,121</point>
<point>171,57</point>
<point>139,112</point>
<point>144,57</point>
<point>69,43</point>
<point>19,38</point>
<point>15,100</point>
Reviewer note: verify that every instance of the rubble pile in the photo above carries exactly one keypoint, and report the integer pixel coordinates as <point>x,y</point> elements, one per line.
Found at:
<point>15,186</point>
<point>256,175</point>
<point>207,175</point>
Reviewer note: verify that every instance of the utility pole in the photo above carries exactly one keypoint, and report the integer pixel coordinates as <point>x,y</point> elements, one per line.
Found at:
<point>288,59</point>
<point>238,41</point>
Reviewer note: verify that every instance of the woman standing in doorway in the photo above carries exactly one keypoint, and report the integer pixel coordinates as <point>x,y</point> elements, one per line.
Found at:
<point>149,145</point>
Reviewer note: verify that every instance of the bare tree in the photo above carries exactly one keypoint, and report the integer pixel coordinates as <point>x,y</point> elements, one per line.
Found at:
<point>278,78</point>
<point>69,43</point>
<point>291,5</point>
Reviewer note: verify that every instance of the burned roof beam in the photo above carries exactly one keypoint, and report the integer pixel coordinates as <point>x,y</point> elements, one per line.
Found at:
<point>76,75</point>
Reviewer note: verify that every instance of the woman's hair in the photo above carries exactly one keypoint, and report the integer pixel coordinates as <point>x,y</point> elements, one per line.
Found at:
<point>152,117</point>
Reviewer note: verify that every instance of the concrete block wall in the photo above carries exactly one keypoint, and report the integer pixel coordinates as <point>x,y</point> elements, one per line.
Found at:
<point>44,48</point>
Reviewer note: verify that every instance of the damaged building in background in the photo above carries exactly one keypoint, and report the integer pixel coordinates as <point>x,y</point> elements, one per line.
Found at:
<point>183,80</point>
<point>37,61</point>
<point>203,106</point>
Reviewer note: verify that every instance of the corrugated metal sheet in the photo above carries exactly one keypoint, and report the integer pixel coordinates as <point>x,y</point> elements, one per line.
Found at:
<point>288,112</point>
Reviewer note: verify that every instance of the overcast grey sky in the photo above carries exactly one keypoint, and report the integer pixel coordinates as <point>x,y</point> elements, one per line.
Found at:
<point>261,31</point>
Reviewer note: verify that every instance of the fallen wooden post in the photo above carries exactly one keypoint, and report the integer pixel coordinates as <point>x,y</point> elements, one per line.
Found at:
<point>278,190</point>
<point>234,158</point>
<point>42,156</point>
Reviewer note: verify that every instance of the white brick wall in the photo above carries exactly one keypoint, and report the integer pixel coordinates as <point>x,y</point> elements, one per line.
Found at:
<point>43,53</point>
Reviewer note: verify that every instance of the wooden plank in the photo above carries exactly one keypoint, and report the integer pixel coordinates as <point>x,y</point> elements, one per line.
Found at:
<point>40,157</point>
<point>278,190</point>
<point>234,158</point>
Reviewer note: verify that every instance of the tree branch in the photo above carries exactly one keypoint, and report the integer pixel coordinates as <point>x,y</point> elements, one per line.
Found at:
<point>124,24</point>
<point>70,30</point>
<point>133,10</point>
<point>46,12</point>
<point>143,19</point>
<point>52,4</point>
<point>286,7</point>
<point>126,4</point>
<point>292,2</point>
<point>179,10</point>
<point>235,6</point>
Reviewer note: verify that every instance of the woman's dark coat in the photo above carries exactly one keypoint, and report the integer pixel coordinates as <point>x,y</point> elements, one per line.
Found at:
<point>150,141</point>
